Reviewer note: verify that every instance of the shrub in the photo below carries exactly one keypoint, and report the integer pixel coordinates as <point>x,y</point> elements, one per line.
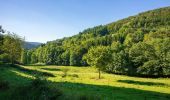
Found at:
<point>37,90</point>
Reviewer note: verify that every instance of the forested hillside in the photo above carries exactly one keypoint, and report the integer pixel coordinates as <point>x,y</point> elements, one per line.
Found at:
<point>137,45</point>
<point>31,45</point>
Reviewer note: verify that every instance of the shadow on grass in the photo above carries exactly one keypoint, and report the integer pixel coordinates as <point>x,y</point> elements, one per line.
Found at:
<point>80,91</point>
<point>105,92</point>
<point>51,69</point>
<point>142,83</point>
<point>36,65</point>
<point>31,71</point>
<point>30,89</point>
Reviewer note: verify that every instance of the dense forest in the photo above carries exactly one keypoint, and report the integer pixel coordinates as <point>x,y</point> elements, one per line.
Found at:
<point>137,45</point>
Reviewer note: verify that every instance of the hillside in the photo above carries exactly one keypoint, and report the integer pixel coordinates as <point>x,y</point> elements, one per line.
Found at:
<point>137,43</point>
<point>31,45</point>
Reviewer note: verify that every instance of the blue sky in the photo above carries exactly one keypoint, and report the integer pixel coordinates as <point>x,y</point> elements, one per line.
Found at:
<point>45,20</point>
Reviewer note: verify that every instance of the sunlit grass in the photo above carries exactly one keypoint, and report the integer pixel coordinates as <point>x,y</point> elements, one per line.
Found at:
<point>84,81</point>
<point>89,75</point>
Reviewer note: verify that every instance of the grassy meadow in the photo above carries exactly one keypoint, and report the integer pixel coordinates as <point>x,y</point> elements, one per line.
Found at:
<point>82,83</point>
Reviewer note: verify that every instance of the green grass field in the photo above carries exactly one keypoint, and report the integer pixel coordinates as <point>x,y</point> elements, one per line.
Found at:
<point>78,83</point>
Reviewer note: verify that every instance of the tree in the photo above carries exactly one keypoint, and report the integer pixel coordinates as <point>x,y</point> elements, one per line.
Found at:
<point>99,57</point>
<point>65,58</point>
<point>33,58</point>
<point>40,53</point>
<point>73,58</point>
<point>57,55</point>
<point>24,56</point>
<point>134,37</point>
<point>117,47</point>
<point>12,45</point>
<point>119,63</point>
<point>162,52</point>
<point>76,56</point>
<point>151,67</point>
<point>140,53</point>
<point>49,55</point>
<point>1,39</point>
<point>29,53</point>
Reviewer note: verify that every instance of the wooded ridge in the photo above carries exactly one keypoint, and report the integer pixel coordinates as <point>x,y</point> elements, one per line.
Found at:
<point>137,45</point>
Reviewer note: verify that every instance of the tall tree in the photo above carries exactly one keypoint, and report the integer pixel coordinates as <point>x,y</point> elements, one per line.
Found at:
<point>99,57</point>
<point>12,45</point>
<point>24,56</point>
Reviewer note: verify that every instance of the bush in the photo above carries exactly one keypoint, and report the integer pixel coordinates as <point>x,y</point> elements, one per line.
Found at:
<point>37,90</point>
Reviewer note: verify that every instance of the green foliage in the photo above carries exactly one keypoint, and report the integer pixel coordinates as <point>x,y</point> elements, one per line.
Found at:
<point>117,47</point>
<point>4,57</point>
<point>1,39</point>
<point>140,53</point>
<point>24,57</point>
<point>136,37</point>
<point>65,58</point>
<point>151,67</point>
<point>133,43</point>
<point>119,63</point>
<point>11,48</point>
<point>73,59</point>
<point>99,57</point>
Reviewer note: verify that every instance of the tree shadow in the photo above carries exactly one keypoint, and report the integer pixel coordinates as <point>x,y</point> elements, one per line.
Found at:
<point>36,65</point>
<point>142,83</point>
<point>26,88</point>
<point>105,92</point>
<point>51,69</point>
<point>31,71</point>
<point>81,91</point>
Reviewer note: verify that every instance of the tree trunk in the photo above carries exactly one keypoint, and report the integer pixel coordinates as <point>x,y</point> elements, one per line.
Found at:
<point>99,73</point>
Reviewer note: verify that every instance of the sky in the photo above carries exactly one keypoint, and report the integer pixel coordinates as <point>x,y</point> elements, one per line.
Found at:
<point>47,20</point>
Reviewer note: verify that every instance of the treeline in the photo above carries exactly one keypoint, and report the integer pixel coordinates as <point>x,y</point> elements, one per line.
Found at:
<point>138,45</point>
